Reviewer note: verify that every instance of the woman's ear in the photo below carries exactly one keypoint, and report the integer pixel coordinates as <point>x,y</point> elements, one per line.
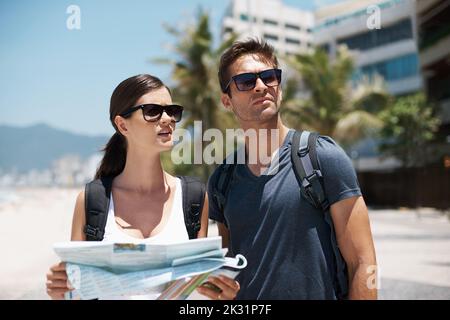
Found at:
<point>121,125</point>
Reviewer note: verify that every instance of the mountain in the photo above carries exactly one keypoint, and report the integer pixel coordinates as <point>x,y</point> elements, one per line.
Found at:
<point>37,146</point>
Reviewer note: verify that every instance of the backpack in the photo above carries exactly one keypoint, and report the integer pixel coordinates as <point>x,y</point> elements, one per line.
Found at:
<point>310,180</point>
<point>97,196</point>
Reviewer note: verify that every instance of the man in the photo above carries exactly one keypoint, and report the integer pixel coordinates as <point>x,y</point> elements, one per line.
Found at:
<point>286,241</point>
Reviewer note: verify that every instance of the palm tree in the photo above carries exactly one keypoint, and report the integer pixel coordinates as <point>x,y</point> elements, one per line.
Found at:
<point>333,106</point>
<point>196,81</point>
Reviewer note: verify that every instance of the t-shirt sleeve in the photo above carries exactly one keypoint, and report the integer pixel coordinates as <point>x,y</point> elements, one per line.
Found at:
<point>214,212</point>
<point>339,176</point>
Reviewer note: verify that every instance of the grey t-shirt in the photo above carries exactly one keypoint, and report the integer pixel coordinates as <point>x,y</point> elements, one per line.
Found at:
<point>285,239</point>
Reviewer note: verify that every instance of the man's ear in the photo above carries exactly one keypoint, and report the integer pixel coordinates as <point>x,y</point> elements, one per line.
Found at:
<point>121,125</point>
<point>280,97</point>
<point>226,101</point>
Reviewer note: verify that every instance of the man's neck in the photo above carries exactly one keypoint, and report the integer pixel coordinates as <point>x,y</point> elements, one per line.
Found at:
<point>268,137</point>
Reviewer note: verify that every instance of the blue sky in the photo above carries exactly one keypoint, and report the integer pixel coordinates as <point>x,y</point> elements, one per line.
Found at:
<point>49,74</point>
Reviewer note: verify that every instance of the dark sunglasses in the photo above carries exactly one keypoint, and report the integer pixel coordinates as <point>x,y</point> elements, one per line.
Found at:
<point>247,81</point>
<point>153,112</point>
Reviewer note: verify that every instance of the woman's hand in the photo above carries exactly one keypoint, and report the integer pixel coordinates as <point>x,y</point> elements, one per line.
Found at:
<point>219,288</point>
<point>57,283</point>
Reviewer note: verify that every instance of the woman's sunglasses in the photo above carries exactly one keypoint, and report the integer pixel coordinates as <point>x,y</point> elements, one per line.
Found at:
<point>247,81</point>
<point>153,112</point>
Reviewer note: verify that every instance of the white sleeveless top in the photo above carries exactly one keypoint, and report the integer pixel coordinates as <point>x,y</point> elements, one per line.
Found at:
<point>174,231</point>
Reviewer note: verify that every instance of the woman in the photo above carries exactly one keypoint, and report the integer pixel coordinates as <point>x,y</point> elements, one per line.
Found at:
<point>145,203</point>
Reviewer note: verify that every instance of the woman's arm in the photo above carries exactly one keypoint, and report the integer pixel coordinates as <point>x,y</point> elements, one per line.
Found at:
<point>79,219</point>
<point>57,284</point>
<point>203,232</point>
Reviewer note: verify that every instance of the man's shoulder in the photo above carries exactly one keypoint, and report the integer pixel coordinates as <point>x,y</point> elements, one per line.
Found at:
<point>329,153</point>
<point>326,147</point>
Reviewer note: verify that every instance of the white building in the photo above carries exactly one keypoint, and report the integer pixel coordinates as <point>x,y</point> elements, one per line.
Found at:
<point>433,21</point>
<point>390,50</point>
<point>288,29</point>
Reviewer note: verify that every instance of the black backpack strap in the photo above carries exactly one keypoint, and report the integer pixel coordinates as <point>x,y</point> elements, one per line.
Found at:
<point>193,200</point>
<point>222,186</point>
<point>310,179</point>
<point>97,195</point>
<point>306,168</point>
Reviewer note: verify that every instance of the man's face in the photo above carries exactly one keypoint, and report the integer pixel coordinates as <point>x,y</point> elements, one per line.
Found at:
<point>259,104</point>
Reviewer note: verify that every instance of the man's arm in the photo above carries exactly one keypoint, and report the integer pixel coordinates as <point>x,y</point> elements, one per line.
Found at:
<point>354,237</point>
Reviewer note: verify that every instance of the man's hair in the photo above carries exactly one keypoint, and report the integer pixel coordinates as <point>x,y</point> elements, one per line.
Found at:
<point>253,46</point>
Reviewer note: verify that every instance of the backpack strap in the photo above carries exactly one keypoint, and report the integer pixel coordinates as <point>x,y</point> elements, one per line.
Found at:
<point>193,200</point>
<point>306,168</point>
<point>310,179</point>
<point>97,194</point>
<point>223,182</point>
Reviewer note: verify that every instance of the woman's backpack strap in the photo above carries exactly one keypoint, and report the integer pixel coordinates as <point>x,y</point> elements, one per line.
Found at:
<point>97,195</point>
<point>193,191</point>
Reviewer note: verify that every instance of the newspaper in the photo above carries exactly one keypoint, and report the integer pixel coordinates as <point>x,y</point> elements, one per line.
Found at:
<point>102,269</point>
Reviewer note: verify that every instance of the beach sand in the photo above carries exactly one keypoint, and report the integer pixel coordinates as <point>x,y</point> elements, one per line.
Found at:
<point>30,224</point>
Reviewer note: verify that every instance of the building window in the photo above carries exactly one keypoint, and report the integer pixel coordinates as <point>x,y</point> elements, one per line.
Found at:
<point>393,69</point>
<point>292,41</point>
<point>270,22</point>
<point>292,26</point>
<point>244,17</point>
<point>378,37</point>
<point>228,30</point>
<point>270,37</point>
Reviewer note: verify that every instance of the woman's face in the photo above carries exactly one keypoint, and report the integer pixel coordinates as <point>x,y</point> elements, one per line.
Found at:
<point>151,135</point>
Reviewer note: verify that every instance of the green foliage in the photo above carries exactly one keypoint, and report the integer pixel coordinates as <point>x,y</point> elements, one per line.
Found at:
<point>196,82</point>
<point>409,127</point>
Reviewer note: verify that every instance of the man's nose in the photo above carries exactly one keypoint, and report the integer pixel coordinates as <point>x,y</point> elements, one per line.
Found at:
<point>260,85</point>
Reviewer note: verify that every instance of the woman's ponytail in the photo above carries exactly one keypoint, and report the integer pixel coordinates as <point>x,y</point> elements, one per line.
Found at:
<point>113,161</point>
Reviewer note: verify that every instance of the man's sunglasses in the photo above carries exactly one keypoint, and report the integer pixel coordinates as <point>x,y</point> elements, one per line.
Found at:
<point>247,81</point>
<point>153,112</point>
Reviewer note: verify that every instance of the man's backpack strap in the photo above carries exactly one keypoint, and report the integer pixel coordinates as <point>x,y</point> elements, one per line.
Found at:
<point>306,168</point>
<point>97,195</point>
<point>307,171</point>
<point>193,200</point>
<point>223,182</point>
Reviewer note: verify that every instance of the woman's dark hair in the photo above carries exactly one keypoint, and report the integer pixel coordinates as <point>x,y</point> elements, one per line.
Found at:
<point>123,98</point>
<point>255,46</point>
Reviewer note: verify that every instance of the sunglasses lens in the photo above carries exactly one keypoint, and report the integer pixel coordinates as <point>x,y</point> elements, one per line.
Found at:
<point>175,111</point>
<point>245,81</point>
<point>271,78</point>
<point>152,112</point>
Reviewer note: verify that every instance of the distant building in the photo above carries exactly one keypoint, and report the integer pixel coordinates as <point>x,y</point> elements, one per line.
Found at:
<point>390,51</point>
<point>288,29</point>
<point>433,22</point>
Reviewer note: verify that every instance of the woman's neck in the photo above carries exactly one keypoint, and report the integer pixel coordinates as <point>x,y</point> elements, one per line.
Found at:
<point>143,172</point>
